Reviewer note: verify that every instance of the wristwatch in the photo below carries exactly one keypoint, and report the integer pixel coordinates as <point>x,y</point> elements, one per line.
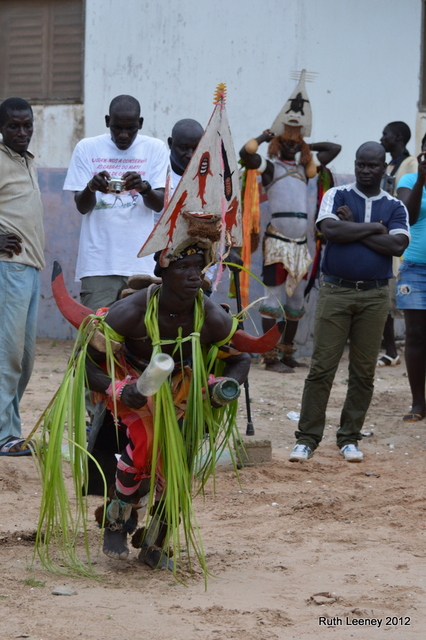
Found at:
<point>147,188</point>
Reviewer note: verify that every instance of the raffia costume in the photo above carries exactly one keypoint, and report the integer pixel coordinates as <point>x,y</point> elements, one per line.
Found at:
<point>176,438</point>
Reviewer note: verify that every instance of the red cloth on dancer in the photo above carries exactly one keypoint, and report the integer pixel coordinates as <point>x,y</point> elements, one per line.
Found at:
<point>140,430</point>
<point>139,422</point>
<point>276,274</point>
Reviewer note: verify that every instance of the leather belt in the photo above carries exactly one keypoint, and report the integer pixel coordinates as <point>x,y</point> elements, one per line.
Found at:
<point>290,214</point>
<point>268,234</point>
<point>359,285</point>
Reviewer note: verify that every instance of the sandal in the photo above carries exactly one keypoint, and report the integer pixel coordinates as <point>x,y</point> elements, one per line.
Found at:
<point>5,450</point>
<point>413,417</point>
<point>387,361</point>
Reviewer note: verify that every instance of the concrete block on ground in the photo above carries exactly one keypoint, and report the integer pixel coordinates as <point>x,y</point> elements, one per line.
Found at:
<point>251,451</point>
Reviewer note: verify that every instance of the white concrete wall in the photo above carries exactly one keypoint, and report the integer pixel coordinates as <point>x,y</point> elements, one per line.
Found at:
<point>171,54</point>
<point>57,129</point>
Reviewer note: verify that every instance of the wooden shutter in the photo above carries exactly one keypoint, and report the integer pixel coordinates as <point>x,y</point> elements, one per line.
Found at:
<point>41,49</point>
<point>67,46</point>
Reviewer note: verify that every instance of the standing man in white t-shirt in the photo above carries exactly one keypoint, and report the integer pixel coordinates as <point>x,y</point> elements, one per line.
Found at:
<point>116,222</point>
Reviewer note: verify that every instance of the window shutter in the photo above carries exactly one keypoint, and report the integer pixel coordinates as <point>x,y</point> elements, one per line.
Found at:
<point>67,46</point>
<point>41,49</point>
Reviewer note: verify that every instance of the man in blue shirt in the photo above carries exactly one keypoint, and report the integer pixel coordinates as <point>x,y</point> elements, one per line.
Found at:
<point>364,227</point>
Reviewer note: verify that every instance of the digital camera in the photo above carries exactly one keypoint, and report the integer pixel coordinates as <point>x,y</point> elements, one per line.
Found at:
<point>115,185</point>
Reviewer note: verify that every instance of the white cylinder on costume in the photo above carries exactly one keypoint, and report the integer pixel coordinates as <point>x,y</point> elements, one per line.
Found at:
<point>155,374</point>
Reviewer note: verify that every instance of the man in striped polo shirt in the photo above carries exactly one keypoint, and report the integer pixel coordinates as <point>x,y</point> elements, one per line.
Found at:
<point>364,227</point>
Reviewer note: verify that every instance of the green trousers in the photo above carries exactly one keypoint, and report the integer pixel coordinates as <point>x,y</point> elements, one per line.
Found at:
<point>101,291</point>
<point>343,314</point>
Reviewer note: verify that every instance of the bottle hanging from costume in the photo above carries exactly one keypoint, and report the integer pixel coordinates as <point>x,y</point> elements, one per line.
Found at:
<point>155,374</point>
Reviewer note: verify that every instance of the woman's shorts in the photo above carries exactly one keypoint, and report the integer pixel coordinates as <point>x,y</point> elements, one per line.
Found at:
<point>411,285</point>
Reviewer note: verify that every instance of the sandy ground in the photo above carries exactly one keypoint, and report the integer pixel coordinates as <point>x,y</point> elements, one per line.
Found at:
<point>295,549</point>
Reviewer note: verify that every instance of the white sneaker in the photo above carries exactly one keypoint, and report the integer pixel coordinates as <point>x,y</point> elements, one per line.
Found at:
<point>351,453</point>
<point>301,452</point>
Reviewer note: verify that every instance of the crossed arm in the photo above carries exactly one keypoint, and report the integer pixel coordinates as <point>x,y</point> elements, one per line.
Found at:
<point>373,235</point>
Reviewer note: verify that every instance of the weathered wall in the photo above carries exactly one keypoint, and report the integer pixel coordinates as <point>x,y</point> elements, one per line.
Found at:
<point>57,129</point>
<point>62,229</point>
<point>171,55</point>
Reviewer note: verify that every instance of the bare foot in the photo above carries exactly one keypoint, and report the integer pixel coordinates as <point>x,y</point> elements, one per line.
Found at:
<point>155,558</point>
<point>115,544</point>
<point>278,367</point>
<point>291,362</point>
